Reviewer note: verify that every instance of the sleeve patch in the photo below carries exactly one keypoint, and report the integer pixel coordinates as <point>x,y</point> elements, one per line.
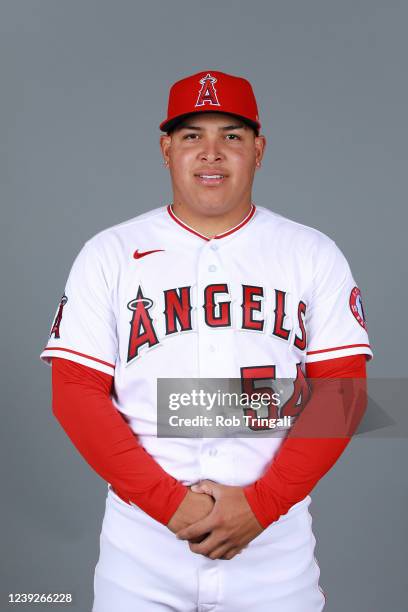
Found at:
<point>356,307</point>
<point>55,328</point>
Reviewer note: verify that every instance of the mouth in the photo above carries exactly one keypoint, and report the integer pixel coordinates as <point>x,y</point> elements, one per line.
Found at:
<point>210,179</point>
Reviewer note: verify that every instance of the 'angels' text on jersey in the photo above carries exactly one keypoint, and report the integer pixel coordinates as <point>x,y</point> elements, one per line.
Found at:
<point>216,311</point>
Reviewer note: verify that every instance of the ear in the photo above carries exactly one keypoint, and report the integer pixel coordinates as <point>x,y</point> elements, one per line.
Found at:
<point>165,142</point>
<point>260,145</point>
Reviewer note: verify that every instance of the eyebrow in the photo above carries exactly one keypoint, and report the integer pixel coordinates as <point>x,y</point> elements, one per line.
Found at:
<point>223,128</point>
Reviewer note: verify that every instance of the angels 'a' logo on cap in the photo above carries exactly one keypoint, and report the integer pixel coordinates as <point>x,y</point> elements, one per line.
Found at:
<point>207,94</point>
<point>356,306</point>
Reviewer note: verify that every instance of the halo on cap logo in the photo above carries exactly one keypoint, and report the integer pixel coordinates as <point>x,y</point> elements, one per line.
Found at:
<point>356,306</point>
<point>207,94</point>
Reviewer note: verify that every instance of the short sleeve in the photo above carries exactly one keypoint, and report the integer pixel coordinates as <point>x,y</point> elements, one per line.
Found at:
<point>84,326</point>
<point>335,320</point>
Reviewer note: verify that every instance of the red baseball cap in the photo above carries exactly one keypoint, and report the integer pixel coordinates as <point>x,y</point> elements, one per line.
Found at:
<point>211,91</point>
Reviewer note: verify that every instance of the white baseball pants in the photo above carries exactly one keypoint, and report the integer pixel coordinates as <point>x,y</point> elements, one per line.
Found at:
<point>142,567</point>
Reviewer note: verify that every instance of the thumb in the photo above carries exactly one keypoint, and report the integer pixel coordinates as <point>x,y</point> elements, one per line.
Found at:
<point>205,486</point>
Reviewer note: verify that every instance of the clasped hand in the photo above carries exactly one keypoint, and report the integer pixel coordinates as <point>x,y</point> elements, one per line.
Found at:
<point>216,520</point>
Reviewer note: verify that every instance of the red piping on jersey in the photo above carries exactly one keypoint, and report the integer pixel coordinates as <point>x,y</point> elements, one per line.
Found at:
<point>336,348</point>
<point>227,233</point>
<point>57,348</point>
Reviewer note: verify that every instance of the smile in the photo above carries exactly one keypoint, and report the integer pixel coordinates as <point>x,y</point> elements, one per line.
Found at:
<point>210,179</point>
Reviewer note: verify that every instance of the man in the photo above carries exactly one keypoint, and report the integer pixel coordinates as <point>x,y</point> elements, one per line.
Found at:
<point>210,286</point>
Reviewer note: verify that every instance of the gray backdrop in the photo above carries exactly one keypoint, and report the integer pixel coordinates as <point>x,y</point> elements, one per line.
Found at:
<point>84,85</point>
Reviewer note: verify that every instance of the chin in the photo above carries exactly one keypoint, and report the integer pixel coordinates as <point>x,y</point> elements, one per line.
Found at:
<point>213,206</point>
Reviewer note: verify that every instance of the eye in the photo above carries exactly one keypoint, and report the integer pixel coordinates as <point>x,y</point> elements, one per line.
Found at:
<point>193,136</point>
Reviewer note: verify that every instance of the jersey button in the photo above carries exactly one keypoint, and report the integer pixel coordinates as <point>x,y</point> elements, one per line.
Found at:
<point>212,268</point>
<point>214,247</point>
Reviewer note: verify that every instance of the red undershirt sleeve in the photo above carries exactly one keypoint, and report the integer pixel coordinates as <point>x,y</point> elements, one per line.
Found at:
<point>81,402</point>
<point>302,460</point>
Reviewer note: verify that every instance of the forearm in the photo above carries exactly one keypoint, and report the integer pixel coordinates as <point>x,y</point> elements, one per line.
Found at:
<point>82,405</point>
<point>312,447</point>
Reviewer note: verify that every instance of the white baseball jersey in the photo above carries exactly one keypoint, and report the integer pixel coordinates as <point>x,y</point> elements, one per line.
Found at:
<point>152,298</point>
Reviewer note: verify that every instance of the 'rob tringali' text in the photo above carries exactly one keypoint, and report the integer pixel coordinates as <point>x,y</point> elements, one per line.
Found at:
<point>234,421</point>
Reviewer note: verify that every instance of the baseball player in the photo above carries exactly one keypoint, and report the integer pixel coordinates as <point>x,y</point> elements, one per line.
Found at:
<point>208,286</point>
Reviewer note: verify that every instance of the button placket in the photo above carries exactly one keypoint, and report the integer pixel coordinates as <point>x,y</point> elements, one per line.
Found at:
<point>207,265</point>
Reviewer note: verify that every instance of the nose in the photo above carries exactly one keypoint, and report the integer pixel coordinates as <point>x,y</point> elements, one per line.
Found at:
<point>210,151</point>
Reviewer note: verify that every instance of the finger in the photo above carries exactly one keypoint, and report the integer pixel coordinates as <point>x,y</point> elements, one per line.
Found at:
<point>223,550</point>
<point>198,540</point>
<point>220,551</point>
<point>198,488</point>
<point>196,530</point>
<point>211,543</point>
<point>231,553</point>
<point>204,486</point>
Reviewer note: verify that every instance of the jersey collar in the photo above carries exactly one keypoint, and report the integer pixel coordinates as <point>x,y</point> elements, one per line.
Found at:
<point>218,236</point>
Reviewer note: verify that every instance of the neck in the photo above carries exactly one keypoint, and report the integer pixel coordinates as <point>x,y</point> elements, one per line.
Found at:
<point>211,223</point>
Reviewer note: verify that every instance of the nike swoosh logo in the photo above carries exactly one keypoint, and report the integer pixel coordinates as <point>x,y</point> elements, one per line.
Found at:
<point>138,254</point>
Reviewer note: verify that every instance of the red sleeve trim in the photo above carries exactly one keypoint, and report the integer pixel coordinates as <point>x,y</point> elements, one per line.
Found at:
<point>352,366</point>
<point>58,348</point>
<point>338,348</point>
